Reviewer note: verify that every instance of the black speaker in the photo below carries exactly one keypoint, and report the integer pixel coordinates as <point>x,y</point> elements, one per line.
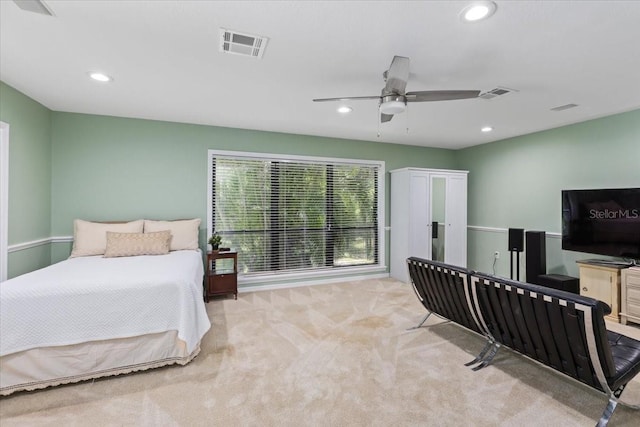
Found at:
<point>559,281</point>
<point>536,256</point>
<point>516,239</point>
<point>434,230</point>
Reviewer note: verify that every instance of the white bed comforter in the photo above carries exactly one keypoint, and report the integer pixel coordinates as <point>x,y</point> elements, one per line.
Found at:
<point>95,298</point>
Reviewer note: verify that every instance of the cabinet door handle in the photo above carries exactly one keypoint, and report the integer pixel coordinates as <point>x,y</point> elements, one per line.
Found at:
<point>585,288</point>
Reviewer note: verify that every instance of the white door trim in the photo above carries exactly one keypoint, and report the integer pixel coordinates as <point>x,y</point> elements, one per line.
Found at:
<point>4,198</point>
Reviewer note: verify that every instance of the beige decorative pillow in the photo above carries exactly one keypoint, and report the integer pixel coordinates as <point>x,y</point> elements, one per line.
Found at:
<point>184,233</point>
<point>90,238</point>
<point>134,244</point>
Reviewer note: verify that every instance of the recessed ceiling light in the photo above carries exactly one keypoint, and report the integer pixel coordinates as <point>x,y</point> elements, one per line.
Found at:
<point>345,109</point>
<point>100,77</point>
<point>478,11</point>
<point>486,129</point>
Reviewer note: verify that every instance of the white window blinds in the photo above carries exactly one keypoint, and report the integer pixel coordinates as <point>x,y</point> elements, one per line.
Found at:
<point>292,215</point>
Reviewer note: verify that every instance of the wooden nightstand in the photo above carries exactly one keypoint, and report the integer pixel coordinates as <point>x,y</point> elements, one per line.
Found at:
<point>221,276</point>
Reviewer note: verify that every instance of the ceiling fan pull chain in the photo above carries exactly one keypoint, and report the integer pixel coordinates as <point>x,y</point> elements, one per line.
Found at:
<point>407,119</point>
<point>379,120</point>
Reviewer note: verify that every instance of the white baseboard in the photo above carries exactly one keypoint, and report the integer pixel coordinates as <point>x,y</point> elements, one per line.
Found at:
<point>325,281</point>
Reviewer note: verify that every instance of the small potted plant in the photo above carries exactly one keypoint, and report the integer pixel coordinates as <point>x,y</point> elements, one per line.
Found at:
<point>215,241</point>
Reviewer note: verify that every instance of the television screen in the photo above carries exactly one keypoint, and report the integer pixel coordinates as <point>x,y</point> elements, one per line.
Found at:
<point>605,222</point>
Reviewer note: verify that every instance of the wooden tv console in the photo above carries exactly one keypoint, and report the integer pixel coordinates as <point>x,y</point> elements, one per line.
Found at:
<point>602,281</point>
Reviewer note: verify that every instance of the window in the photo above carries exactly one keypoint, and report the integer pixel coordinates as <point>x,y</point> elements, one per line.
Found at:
<point>291,213</point>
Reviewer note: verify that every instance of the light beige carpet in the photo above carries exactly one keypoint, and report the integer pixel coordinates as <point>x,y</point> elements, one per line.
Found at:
<point>330,355</point>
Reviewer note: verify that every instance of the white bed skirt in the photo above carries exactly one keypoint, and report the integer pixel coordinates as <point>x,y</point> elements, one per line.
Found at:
<point>50,366</point>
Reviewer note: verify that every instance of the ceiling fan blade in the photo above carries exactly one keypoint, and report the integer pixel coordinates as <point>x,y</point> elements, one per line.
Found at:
<point>36,6</point>
<point>397,75</point>
<point>385,117</point>
<point>441,95</point>
<point>346,98</point>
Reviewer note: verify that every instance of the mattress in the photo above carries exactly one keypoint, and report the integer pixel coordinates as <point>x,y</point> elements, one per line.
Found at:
<point>86,304</point>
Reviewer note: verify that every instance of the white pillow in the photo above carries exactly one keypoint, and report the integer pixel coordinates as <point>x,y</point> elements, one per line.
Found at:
<point>184,233</point>
<point>90,238</point>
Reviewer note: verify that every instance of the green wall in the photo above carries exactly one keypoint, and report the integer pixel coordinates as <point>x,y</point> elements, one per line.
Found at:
<point>66,165</point>
<point>517,183</point>
<point>108,168</point>
<point>29,178</point>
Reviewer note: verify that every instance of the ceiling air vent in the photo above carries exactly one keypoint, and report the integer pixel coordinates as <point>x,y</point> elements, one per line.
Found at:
<point>564,107</point>
<point>242,44</point>
<point>493,93</point>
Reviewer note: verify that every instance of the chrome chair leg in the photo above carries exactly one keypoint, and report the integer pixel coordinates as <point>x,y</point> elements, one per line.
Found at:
<point>614,400</point>
<point>489,357</point>
<point>421,322</point>
<point>480,355</point>
<point>608,412</point>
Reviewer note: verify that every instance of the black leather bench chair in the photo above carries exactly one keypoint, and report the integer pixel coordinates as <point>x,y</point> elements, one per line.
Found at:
<point>561,330</point>
<point>445,290</point>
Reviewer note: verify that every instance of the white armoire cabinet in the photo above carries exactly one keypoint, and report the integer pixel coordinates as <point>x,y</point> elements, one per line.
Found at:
<point>428,217</point>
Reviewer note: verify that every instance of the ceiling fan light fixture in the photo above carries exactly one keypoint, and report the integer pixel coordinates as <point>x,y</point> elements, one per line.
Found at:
<point>344,109</point>
<point>392,107</point>
<point>478,11</point>
<point>393,104</point>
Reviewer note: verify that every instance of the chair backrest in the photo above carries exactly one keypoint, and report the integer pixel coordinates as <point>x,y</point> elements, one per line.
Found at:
<point>560,329</point>
<point>444,290</point>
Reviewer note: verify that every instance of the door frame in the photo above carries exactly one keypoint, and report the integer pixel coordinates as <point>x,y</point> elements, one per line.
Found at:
<point>4,198</point>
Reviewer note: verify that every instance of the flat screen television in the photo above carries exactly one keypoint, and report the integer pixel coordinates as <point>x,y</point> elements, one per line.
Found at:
<point>604,222</point>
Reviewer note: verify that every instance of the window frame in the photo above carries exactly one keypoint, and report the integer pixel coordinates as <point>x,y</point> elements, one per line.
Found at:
<point>379,267</point>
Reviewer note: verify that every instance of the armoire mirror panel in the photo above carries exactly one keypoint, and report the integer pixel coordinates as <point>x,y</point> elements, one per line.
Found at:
<point>438,224</point>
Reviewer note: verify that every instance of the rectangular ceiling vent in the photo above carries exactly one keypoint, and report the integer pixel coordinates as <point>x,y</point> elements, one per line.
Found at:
<point>564,107</point>
<point>242,44</point>
<point>498,91</point>
<point>36,6</point>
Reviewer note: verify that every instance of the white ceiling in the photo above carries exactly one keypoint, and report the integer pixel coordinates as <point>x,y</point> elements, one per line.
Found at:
<point>166,63</point>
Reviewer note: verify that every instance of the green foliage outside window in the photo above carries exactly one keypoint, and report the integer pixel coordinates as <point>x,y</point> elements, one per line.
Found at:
<point>293,215</point>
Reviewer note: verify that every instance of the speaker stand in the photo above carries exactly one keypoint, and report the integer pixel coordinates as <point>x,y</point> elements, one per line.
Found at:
<point>517,264</point>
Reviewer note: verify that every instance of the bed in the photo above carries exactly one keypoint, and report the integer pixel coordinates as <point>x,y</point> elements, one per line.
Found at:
<point>92,316</point>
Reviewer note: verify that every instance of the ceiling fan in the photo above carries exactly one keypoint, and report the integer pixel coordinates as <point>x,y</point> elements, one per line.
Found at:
<point>394,99</point>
